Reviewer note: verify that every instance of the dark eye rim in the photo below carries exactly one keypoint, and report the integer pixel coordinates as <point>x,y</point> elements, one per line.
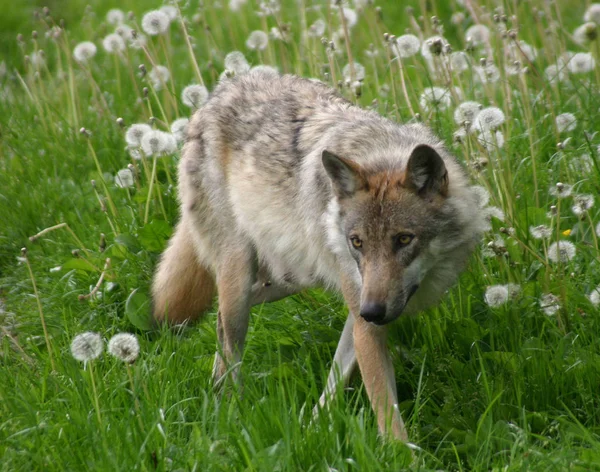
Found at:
<point>356,242</point>
<point>399,236</point>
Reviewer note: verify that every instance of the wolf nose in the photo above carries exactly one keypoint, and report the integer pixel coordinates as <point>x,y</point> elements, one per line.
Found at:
<point>373,312</point>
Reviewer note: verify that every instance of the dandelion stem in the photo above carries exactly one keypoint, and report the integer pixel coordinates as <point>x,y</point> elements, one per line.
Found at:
<point>95,391</point>
<point>99,283</point>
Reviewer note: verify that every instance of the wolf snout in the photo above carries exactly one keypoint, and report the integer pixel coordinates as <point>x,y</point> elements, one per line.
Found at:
<point>373,312</point>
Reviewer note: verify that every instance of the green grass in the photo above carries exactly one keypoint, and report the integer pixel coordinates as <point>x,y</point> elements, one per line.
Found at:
<point>480,387</point>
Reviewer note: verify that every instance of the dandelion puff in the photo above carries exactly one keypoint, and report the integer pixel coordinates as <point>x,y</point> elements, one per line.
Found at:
<point>236,5</point>
<point>594,296</point>
<point>490,139</point>
<point>582,203</point>
<point>86,346</point>
<point>155,22</point>
<point>159,76</point>
<point>170,11</point>
<point>317,29</point>
<point>489,119</point>
<point>513,290</point>
<point>540,232</point>
<point>586,33</point>
<point>433,46</point>
<point>561,190</point>
<point>478,35</point>
<point>561,251</point>
<point>523,49</point>
<point>194,96</point>
<point>550,304</point>
<point>179,129</point>
<point>350,16</point>
<point>124,31</point>
<point>268,8</point>
<point>406,46</point>
<point>153,143</point>
<point>135,133</point>
<point>566,122</point>
<point>359,72</point>
<point>257,41</point>
<point>581,63</point>
<point>137,42</point>
<point>84,51</point>
<point>115,16</point>
<point>113,43</point>
<point>592,13</point>
<point>496,295</point>
<point>170,143</point>
<point>435,98</point>
<point>554,73</point>
<point>487,74</point>
<point>134,152</point>
<point>466,111</point>
<point>124,346</point>
<point>124,178</point>
<point>236,62</point>
<point>459,61</point>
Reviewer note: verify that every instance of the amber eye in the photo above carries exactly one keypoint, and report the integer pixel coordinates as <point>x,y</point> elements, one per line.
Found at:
<point>356,242</point>
<point>404,239</point>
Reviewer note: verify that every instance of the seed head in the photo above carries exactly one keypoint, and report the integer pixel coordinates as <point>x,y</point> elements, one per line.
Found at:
<point>550,304</point>
<point>179,129</point>
<point>235,61</point>
<point>561,251</point>
<point>586,33</point>
<point>593,13</point>
<point>496,295</point>
<point>257,41</point>
<point>594,296</point>
<point>478,35</point>
<point>459,61</point>
<point>540,232</point>
<point>124,178</point>
<point>581,63</point>
<point>359,72</point>
<point>135,133</point>
<point>194,96</point>
<point>170,11</point>
<point>317,29</point>
<point>435,98</point>
<point>86,346</point>
<point>561,190</point>
<point>124,346</point>
<point>582,203</point>
<point>115,16</point>
<point>406,46</point>
<point>156,143</point>
<point>84,51</point>
<point>113,43</point>
<point>466,111</point>
<point>433,46</point>
<point>488,119</point>
<point>487,73</point>
<point>566,122</point>
<point>159,75</point>
<point>155,22</point>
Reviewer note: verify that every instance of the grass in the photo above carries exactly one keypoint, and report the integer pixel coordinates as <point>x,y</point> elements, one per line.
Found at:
<point>507,387</point>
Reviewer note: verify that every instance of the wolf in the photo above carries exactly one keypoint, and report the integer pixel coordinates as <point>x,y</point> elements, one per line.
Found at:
<point>286,185</point>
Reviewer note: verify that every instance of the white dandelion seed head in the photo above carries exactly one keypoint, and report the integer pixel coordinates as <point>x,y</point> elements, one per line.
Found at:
<point>467,111</point>
<point>155,22</point>
<point>115,16</point>
<point>491,139</point>
<point>496,295</point>
<point>170,11</point>
<point>457,18</point>
<point>87,346</point>
<point>593,13</point>
<point>351,17</point>
<point>594,296</point>
<point>566,122</point>
<point>460,134</point>
<point>138,42</point>
<point>84,51</point>
<point>488,74</point>
<point>113,43</point>
<point>124,346</point>
<point>561,251</point>
<point>550,304</point>
<point>236,62</point>
<point>257,41</point>
<point>513,290</point>
<point>236,5</point>
<point>37,59</point>
<point>478,35</point>
<point>170,144</point>
<point>194,96</point>
<point>581,63</point>
<point>134,152</point>
<point>585,33</point>
<point>279,34</point>
<point>517,51</point>
<point>489,119</point>
<point>582,204</point>
<point>406,46</point>
<point>459,61</point>
<point>561,190</point>
<point>124,31</point>
<point>135,133</point>
<point>359,72</point>
<point>435,98</point>
<point>124,178</point>
<point>540,232</point>
<point>435,42</point>
<point>179,129</point>
<point>555,73</point>
<point>159,76</point>
<point>154,143</point>
<point>268,8</point>
<point>317,29</point>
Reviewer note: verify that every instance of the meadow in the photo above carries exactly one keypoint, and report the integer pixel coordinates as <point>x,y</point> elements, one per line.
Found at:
<point>94,99</point>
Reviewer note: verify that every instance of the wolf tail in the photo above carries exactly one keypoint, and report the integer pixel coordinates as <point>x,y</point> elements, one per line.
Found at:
<point>183,289</point>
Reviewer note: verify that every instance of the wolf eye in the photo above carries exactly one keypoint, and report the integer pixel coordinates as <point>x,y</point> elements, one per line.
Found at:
<point>404,239</point>
<point>356,242</point>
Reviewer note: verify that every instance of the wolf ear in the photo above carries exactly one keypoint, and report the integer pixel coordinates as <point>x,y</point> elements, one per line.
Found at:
<point>344,174</point>
<point>426,172</point>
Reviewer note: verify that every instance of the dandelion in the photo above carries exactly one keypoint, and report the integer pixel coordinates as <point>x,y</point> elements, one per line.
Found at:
<point>124,178</point>
<point>459,61</point>
<point>585,33</point>
<point>317,29</point>
<point>496,295</point>
<point>159,76</point>
<point>156,143</point>
<point>466,111</point>
<point>135,133</point>
<point>155,22</point>
<point>554,73</point>
<point>561,190</point>
<point>194,96</point>
<point>550,304</point>
<point>433,46</point>
<point>487,74</point>
<point>406,46</point>
<point>561,251</point>
<point>490,139</point>
<point>488,119</point>
<point>540,232</point>
<point>359,72</point>
<point>179,129</point>
<point>581,63</point>
<point>124,346</point>
<point>268,8</point>
<point>435,97</point>
<point>257,41</point>
<point>236,5</point>
<point>582,204</point>
<point>478,35</point>
<point>170,11</point>
<point>113,43</point>
<point>566,122</point>
<point>86,346</point>
<point>279,34</point>
<point>350,16</point>
<point>137,41</point>
<point>115,16</point>
<point>84,51</point>
<point>236,62</point>
<point>594,296</point>
<point>593,13</point>
<point>124,31</point>
<point>523,49</point>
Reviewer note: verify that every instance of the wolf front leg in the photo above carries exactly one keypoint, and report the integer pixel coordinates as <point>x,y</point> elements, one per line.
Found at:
<point>235,276</point>
<point>378,376</point>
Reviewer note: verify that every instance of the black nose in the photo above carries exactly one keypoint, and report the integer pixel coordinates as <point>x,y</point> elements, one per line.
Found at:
<point>373,312</point>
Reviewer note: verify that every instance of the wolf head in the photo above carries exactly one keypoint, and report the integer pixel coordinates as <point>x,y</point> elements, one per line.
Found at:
<point>388,217</point>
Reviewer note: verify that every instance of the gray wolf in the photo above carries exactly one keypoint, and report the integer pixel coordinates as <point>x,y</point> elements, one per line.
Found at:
<point>285,185</point>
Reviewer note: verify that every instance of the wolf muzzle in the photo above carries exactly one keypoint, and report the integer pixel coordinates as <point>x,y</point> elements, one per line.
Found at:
<point>375,312</point>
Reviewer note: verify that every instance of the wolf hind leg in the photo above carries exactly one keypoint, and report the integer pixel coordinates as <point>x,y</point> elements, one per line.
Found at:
<point>182,289</point>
